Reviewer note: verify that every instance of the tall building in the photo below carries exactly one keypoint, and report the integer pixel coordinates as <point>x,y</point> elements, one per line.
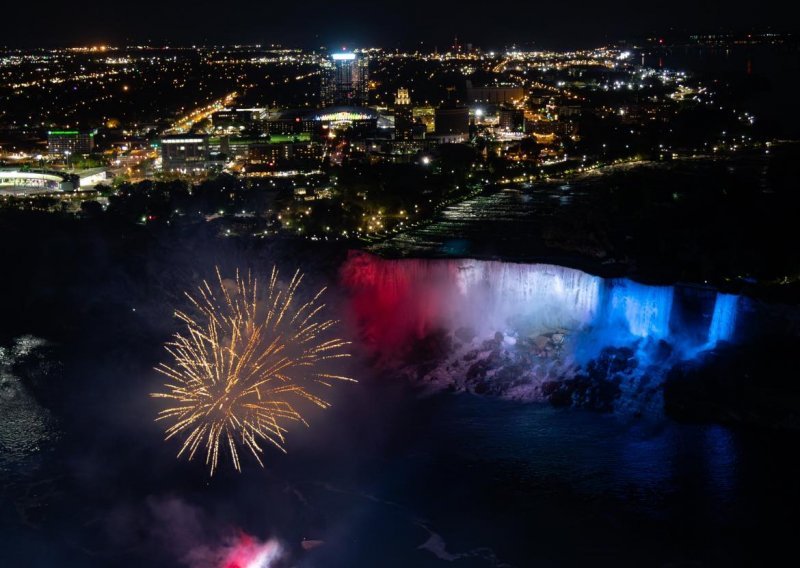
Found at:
<point>345,80</point>
<point>403,116</point>
<point>69,142</point>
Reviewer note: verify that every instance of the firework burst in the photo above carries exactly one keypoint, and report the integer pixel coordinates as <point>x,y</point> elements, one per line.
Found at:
<point>244,360</point>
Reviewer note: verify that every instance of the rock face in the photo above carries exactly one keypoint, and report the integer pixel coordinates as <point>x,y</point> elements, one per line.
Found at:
<point>741,385</point>
<point>537,367</point>
<point>745,385</point>
<point>598,385</point>
<point>37,363</point>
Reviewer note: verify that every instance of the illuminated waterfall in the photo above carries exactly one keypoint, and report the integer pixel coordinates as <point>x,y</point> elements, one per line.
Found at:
<point>545,296</point>
<point>723,321</point>
<point>643,310</point>
<point>398,300</point>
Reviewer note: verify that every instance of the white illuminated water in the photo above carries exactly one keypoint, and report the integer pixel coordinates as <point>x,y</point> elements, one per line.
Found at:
<point>543,295</point>
<point>497,296</point>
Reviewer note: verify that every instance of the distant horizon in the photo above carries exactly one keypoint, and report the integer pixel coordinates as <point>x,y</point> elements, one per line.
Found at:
<point>580,24</point>
<point>422,45</point>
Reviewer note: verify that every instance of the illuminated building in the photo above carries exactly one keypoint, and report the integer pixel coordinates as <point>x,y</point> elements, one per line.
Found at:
<point>290,122</point>
<point>276,154</point>
<point>403,116</point>
<point>16,182</point>
<point>317,124</point>
<point>69,142</point>
<point>234,146</point>
<point>511,119</point>
<point>184,153</point>
<point>402,98</point>
<point>236,118</point>
<point>494,94</point>
<point>346,115</point>
<point>91,177</point>
<point>345,80</point>
<point>425,116</point>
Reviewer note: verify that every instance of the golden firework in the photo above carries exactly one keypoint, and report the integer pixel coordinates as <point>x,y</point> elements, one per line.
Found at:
<point>242,362</point>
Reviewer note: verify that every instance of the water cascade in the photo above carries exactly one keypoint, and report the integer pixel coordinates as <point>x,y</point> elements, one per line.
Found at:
<point>397,300</point>
<point>543,296</point>
<point>723,321</point>
<point>643,310</point>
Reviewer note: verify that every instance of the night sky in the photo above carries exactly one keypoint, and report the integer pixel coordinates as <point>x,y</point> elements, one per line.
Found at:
<point>400,23</point>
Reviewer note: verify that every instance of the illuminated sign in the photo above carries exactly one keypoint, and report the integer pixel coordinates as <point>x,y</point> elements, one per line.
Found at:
<point>343,56</point>
<point>343,116</point>
<point>66,133</point>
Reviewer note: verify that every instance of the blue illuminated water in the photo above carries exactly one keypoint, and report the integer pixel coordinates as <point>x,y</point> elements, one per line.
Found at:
<point>723,322</point>
<point>643,310</point>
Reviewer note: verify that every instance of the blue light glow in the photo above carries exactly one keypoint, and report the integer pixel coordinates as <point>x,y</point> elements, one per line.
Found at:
<point>723,322</point>
<point>643,310</point>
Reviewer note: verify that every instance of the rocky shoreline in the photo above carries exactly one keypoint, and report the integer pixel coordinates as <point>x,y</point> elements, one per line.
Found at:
<point>538,367</point>
<point>731,385</point>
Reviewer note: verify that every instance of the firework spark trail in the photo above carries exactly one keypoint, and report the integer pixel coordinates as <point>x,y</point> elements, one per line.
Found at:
<point>243,360</point>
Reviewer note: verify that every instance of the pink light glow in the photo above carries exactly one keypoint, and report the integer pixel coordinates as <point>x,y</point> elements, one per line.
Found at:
<point>249,552</point>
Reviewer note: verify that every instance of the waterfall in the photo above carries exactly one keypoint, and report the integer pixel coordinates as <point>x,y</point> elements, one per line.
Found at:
<point>545,296</point>
<point>643,310</point>
<point>723,321</point>
<point>395,301</point>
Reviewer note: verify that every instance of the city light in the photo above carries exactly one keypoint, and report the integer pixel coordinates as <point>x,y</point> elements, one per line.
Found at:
<point>566,278</point>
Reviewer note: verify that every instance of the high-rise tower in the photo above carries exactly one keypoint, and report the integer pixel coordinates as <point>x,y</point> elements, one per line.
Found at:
<point>403,116</point>
<point>345,80</point>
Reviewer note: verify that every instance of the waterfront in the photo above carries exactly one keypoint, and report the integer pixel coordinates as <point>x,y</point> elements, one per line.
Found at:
<point>652,220</point>
<point>388,476</point>
<point>389,479</point>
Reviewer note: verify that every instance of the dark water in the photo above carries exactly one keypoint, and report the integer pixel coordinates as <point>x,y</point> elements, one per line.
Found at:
<point>761,79</point>
<point>537,222</point>
<point>477,481</point>
<point>502,224</point>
